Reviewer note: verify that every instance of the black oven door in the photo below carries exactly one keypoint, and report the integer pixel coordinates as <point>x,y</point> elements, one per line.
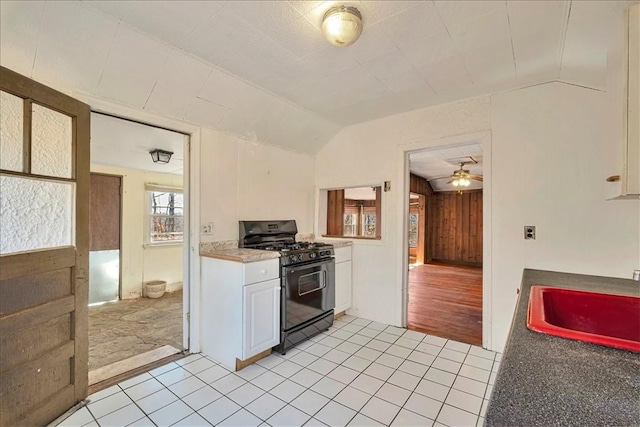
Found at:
<point>308,291</point>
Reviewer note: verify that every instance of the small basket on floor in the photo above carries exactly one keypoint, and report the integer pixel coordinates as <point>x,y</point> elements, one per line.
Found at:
<point>154,289</point>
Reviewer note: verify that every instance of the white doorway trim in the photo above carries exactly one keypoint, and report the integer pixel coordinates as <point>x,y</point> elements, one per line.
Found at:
<point>191,189</point>
<point>404,151</point>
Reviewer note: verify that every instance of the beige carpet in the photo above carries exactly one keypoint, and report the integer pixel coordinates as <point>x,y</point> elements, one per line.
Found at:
<point>123,329</point>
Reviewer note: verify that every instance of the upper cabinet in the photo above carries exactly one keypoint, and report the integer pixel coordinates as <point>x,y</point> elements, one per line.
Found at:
<point>623,91</point>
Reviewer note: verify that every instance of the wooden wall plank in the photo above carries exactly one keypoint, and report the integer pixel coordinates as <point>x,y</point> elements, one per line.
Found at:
<point>19,395</point>
<point>28,291</point>
<point>40,261</point>
<point>56,404</point>
<point>455,229</point>
<point>34,316</point>
<point>31,343</point>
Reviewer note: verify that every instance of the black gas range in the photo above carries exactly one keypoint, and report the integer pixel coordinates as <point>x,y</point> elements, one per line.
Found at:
<point>307,276</point>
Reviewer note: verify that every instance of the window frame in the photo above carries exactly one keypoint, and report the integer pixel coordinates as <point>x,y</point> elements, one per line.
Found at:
<point>149,189</point>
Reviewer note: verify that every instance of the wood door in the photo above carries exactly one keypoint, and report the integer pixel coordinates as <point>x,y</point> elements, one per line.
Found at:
<point>44,168</point>
<point>104,237</point>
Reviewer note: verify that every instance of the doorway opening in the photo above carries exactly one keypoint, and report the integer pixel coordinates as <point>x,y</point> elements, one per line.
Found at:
<point>136,228</point>
<point>445,242</point>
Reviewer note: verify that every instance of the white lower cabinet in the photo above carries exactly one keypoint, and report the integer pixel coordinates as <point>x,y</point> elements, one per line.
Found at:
<point>261,310</point>
<point>343,278</point>
<point>240,309</point>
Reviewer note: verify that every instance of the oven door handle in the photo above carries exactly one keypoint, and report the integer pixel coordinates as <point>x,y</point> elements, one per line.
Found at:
<point>324,285</point>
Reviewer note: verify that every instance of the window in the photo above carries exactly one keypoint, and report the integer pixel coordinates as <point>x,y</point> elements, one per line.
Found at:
<point>413,230</point>
<point>166,215</point>
<point>350,224</point>
<point>353,212</point>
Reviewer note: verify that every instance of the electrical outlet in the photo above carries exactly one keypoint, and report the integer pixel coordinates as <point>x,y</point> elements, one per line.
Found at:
<point>529,232</point>
<point>207,229</point>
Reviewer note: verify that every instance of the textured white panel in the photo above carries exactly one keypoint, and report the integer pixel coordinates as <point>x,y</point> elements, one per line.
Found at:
<point>135,61</point>
<point>446,75</point>
<point>185,73</point>
<point>428,50</point>
<point>591,28</point>
<point>223,89</point>
<point>11,131</point>
<point>372,43</point>
<point>35,214</point>
<point>206,112</point>
<point>529,17</point>
<point>461,11</point>
<point>491,64</point>
<point>417,22</point>
<point>73,45</point>
<point>486,29</point>
<point>168,100</point>
<point>19,26</point>
<point>51,142</point>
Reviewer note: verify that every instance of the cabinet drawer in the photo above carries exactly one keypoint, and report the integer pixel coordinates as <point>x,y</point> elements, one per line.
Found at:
<point>343,254</point>
<point>260,271</point>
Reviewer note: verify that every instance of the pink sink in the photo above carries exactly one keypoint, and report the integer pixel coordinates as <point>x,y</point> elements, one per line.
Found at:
<point>605,319</point>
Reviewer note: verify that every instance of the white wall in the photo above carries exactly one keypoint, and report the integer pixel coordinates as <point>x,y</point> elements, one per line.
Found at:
<point>139,263</point>
<point>547,143</point>
<point>246,180</point>
<point>366,154</point>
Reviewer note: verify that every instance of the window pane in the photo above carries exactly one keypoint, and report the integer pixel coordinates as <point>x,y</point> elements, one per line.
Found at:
<point>36,214</point>
<point>51,142</point>
<point>11,132</point>
<point>166,211</point>
<point>166,228</point>
<point>350,224</point>
<point>413,230</point>
<point>369,225</point>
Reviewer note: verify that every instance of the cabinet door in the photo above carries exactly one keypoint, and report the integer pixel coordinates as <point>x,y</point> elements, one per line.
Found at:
<point>261,328</point>
<point>343,286</point>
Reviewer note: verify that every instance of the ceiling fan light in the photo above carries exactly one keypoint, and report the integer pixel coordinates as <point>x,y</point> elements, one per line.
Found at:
<point>455,182</point>
<point>342,25</point>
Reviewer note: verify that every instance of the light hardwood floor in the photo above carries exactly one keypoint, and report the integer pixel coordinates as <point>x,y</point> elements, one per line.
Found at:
<point>446,300</point>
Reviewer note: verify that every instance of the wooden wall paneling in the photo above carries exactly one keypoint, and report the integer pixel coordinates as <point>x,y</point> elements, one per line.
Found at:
<point>456,227</point>
<point>33,342</point>
<point>104,212</point>
<point>335,212</point>
<point>20,293</point>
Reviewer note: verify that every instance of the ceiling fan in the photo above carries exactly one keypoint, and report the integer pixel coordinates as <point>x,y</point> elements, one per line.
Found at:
<point>461,177</point>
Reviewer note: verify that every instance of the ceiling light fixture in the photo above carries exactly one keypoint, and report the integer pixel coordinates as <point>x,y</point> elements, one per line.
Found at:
<point>342,25</point>
<point>160,156</point>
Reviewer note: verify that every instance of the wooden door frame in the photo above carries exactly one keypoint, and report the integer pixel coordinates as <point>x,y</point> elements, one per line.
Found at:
<point>403,152</point>
<point>119,224</point>
<point>23,262</point>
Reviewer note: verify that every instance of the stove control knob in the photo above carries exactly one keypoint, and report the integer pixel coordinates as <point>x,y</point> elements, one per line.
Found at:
<point>312,255</point>
<point>293,258</point>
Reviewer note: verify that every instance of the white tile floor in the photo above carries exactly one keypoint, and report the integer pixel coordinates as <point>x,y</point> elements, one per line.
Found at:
<point>359,373</point>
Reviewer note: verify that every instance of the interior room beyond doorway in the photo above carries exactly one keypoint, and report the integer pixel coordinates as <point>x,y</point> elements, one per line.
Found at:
<point>445,243</point>
<point>136,255</point>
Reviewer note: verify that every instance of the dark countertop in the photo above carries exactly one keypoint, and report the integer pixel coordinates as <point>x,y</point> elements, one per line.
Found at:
<point>546,381</point>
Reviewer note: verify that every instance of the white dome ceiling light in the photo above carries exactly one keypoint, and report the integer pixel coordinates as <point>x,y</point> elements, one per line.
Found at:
<point>342,25</point>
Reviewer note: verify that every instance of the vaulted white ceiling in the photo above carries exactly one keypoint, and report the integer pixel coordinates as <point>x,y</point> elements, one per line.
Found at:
<point>262,69</point>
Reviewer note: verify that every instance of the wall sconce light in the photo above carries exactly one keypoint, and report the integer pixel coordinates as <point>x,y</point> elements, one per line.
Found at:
<point>160,156</point>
